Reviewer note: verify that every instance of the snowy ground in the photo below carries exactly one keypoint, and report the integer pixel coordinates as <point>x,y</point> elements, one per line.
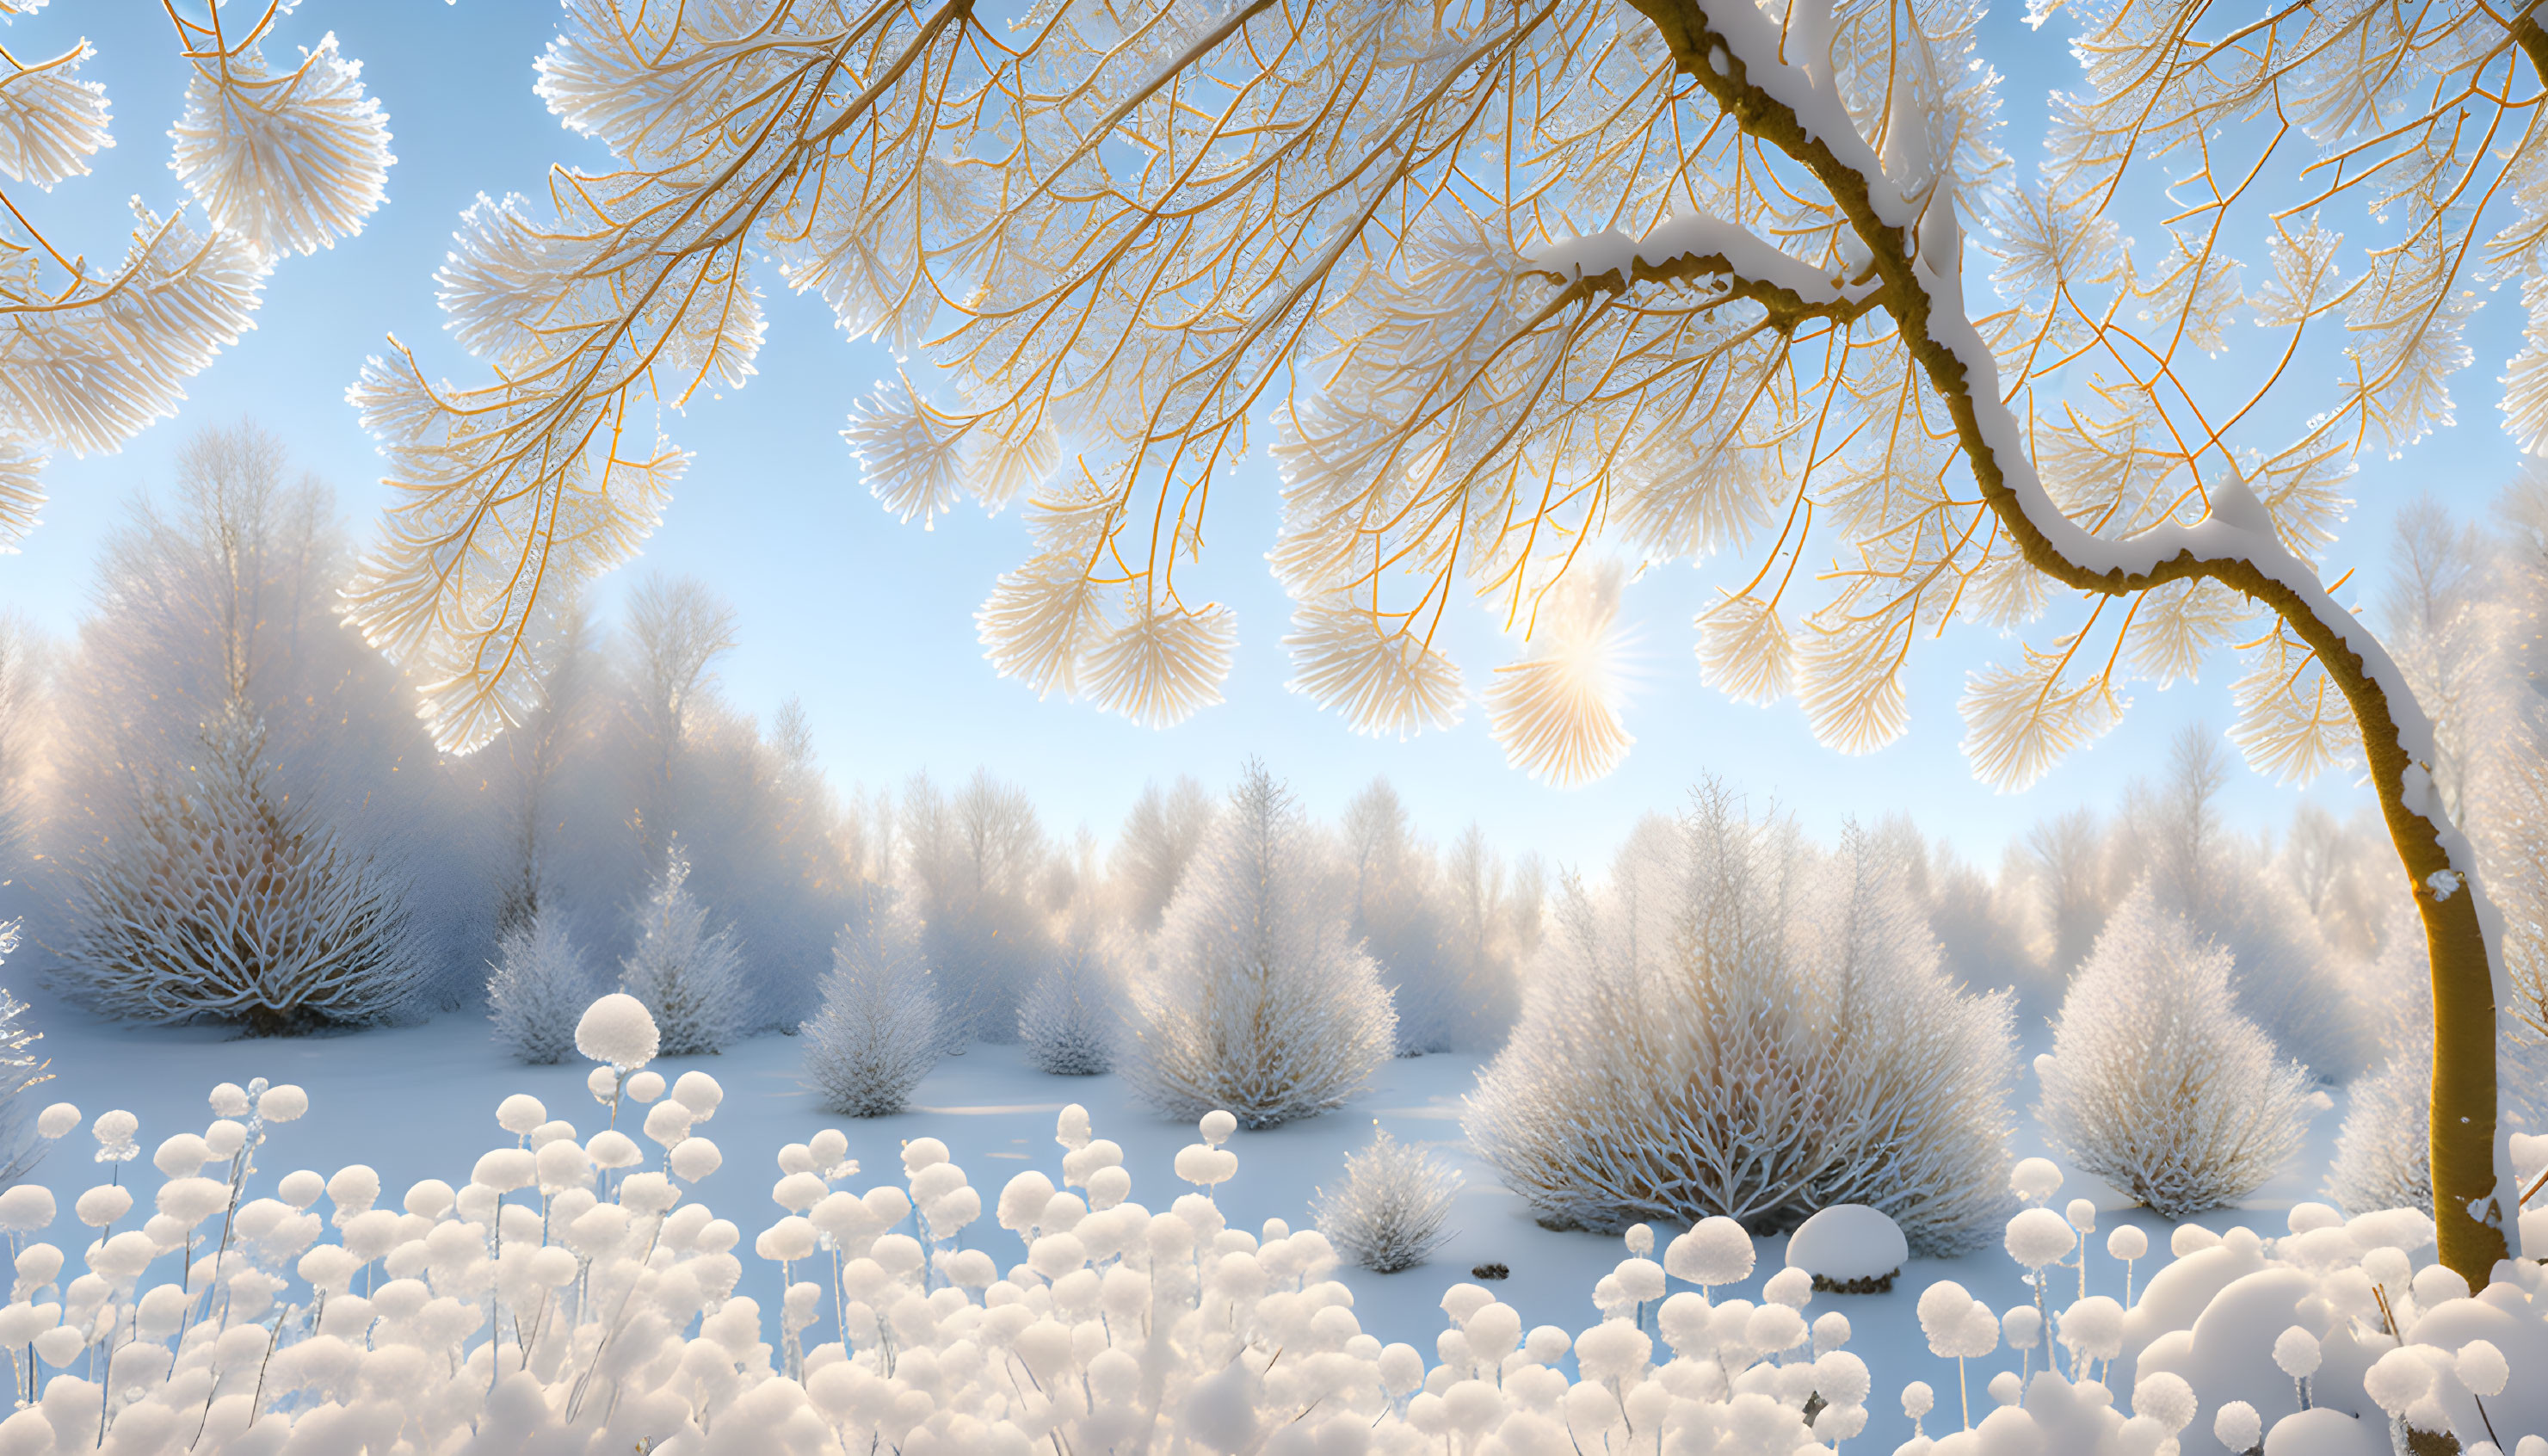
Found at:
<point>419,1102</point>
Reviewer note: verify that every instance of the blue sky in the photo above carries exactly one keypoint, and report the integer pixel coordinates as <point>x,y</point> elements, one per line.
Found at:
<point>871,622</point>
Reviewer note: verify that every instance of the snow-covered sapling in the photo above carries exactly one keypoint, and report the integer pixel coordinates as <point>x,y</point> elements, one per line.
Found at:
<point>691,979</point>
<point>877,1033</point>
<point>537,989</point>
<point>1068,1015</point>
<point>1387,1211</point>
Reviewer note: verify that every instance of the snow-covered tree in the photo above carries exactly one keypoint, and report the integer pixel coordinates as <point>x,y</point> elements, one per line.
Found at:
<point>24,668</point>
<point>1494,924</point>
<point>880,1031</point>
<point>539,986</point>
<point>2155,1082</point>
<point>1398,915</point>
<point>1522,294</point>
<point>2284,977</point>
<point>690,978</point>
<point>276,158</point>
<point>677,629</point>
<point>536,750</point>
<point>1734,1028</point>
<point>1387,1213</point>
<point>1068,1017</point>
<point>225,898</point>
<point>1255,1000</point>
<point>1157,842</point>
<point>978,864</point>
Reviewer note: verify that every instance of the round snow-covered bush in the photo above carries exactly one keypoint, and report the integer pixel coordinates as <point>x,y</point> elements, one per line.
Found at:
<point>1741,1028</point>
<point>1849,1248</point>
<point>1387,1213</point>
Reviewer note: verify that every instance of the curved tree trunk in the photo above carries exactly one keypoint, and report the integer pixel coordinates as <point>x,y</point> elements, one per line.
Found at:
<point>1723,46</point>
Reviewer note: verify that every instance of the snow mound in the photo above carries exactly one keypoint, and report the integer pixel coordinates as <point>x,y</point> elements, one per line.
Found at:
<point>1849,1249</point>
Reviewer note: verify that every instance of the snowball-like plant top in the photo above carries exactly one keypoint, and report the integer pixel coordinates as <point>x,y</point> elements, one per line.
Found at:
<point>285,1103</point>
<point>2005,1388</point>
<point>2482,1368</point>
<point>1206,1165</point>
<point>2305,1217</point>
<point>2022,1326</point>
<point>2388,1267</point>
<point>2093,1328</point>
<point>1917,1399</point>
<point>301,1189</point>
<point>520,1112</point>
<point>644,1087</point>
<point>618,1030</point>
<point>700,1093</point>
<point>2127,1242</point>
<point>430,1198</point>
<point>2035,1179</point>
<point>694,1158</point>
<point>2167,1399</point>
<point>919,1154</point>
<point>2237,1426</point>
<point>114,1131</point>
<point>611,1148</point>
<point>1716,1251</point>
<point>1942,1310</point>
<point>668,1123</point>
<point>1848,1241</point>
<point>603,1083</point>
<point>229,1100</point>
<point>226,1138</point>
<point>102,1205</point>
<point>182,1157</point>
<point>2083,1215</point>
<point>2397,1379</point>
<point>1217,1127</point>
<point>353,1190</point>
<point>505,1169</point>
<point>26,1207</point>
<point>57,1120</point>
<point>2040,1237</point>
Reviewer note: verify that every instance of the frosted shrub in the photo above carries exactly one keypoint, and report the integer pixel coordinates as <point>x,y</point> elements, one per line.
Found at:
<point>1255,1000</point>
<point>1069,1016</point>
<point>225,898</point>
<point>1387,1213</point>
<point>691,980</point>
<point>1737,1029</point>
<point>878,1031</point>
<point>2155,1083</point>
<point>540,985</point>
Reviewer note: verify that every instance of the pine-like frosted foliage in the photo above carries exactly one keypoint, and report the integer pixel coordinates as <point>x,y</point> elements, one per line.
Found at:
<point>1387,1211</point>
<point>691,979</point>
<point>1068,1017</point>
<point>881,1029</point>
<point>539,986</point>
<point>2156,1083</point>
<point>1741,1026</point>
<point>226,899</point>
<point>1255,1000</point>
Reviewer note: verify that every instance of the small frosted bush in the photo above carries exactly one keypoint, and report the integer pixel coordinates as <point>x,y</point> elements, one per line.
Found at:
<point>1386,1214</point>
<point>1737,1028</point>
<point>1068,1015</point>
<point>2155,1083</point>
<point>880,1030</point>
<point>1255,999</point>
<point>691,980</point>
<point>539,987</point>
